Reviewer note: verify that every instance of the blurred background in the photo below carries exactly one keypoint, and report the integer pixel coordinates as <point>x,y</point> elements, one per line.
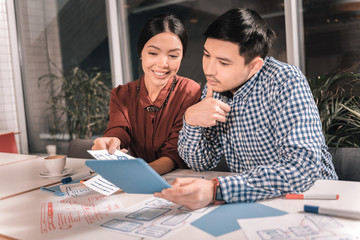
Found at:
<point>59,59</point>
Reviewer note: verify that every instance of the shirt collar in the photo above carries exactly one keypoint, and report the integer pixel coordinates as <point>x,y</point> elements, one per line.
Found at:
<point>245,89</point>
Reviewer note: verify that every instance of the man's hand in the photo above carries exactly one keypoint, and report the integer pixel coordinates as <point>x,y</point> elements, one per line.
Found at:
<point>207,112</point>
<point>193,193</point>
<point>109,143</point>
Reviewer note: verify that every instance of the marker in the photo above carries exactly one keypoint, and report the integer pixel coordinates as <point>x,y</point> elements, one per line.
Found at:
<point>332,212</point>
<point>313,196</point>
<point>77,176</point>
<point>82,181</point>
<point>59,193</point>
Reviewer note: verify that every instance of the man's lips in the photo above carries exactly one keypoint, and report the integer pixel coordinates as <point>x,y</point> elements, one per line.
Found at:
<point>212,81</point>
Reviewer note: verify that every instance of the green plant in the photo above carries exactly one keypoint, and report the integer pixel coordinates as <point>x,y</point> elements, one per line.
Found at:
<point>78,101</point>
<point>339,108</point>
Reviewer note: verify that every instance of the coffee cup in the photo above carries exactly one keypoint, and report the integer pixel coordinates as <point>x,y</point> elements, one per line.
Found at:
<point>55,164</point>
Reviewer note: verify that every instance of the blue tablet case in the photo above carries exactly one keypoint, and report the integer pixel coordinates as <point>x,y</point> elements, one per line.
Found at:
<point>131,176</point>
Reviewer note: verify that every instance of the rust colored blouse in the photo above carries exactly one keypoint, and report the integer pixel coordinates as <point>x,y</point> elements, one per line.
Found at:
<point>151,134</point>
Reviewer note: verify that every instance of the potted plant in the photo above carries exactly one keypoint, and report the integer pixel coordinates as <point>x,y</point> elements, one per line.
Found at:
<point>339,111</point>
<point>78,101</point>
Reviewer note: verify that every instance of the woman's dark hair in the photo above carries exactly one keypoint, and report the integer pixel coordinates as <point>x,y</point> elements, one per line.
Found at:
<point>246,28</point>
<point>159,24</point>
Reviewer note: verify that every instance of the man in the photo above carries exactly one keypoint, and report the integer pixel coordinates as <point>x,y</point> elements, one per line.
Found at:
<point>257,113</point>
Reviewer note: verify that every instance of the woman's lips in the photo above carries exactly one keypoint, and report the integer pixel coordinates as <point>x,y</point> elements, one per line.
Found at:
<point>160,74</point>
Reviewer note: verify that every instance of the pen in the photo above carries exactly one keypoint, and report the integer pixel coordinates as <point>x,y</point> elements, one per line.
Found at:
<point>77,176</point>
<point>59,193</point>
<point>332,211</point>
<point>312,196</point>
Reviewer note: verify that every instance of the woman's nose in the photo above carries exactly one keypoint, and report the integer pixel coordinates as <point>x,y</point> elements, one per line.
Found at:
<point>163,61</point>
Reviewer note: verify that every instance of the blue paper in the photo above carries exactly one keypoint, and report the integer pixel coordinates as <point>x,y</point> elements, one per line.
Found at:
<point>223,219</point>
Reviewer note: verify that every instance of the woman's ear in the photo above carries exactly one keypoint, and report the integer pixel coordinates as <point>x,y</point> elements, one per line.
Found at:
<point>255,65</point>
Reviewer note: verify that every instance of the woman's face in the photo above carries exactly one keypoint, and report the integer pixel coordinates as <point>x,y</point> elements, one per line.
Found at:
<point>161,58</point>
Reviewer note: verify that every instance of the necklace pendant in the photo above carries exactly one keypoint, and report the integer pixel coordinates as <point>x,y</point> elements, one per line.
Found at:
<point>152,108</point>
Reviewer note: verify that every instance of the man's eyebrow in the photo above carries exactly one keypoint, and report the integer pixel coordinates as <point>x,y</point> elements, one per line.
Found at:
<point>224,59</point>
<point>172,50</point>
<point>220,58</point>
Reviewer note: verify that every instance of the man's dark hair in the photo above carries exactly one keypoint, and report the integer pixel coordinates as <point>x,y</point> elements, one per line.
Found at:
<point>159,24</point>
<point>246,28</point>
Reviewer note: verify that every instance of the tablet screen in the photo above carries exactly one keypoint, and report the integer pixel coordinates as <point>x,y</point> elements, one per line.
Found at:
<point>131,176</point>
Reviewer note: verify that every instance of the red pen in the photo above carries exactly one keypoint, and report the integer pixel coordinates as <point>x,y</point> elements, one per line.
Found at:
<point>313,196</point>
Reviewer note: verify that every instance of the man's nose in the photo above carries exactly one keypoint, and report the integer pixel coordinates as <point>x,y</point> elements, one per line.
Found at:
<point>209,67</point>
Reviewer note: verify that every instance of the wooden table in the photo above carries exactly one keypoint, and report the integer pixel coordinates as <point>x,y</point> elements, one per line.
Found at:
<point>23,176</point>
<point>9,158</point>
<point>20,215</point>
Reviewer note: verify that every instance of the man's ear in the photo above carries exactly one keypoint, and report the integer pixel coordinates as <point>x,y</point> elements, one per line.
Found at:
<point>255,65</point>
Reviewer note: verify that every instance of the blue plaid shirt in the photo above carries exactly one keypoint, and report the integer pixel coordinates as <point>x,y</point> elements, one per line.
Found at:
<point>272,137</point>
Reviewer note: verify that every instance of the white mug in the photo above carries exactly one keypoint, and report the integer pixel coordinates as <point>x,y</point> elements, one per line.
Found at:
<point>55,164</point>
<point>51,149</point>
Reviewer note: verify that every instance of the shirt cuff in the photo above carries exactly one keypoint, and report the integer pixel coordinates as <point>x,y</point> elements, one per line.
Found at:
<point>121,134</point>
<point>192,133</point>
<point>233,188</point>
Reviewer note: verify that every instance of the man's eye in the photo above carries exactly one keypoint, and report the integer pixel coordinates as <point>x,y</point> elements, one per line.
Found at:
<point>174,56</point>
<point>206,55</point>
<point>152,53</point>
<point>224,64</point>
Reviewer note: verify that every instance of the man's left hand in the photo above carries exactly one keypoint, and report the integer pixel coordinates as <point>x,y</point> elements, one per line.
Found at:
<point>193,193</point>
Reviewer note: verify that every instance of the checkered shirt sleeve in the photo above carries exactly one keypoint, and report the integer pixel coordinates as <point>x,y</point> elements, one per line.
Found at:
<point>272,138</point>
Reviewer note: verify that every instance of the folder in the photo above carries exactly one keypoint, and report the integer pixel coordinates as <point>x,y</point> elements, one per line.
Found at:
<point>131,176</point>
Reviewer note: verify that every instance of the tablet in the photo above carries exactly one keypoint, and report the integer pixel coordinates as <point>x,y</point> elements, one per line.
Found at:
<point>131,176</point>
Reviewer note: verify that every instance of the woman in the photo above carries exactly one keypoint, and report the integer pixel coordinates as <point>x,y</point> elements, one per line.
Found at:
<point>146,115</point>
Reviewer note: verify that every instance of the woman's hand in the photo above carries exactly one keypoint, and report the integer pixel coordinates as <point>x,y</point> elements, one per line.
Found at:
<point>109,143</point>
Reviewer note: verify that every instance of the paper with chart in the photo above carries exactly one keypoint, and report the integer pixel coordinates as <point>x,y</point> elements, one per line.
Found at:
<point>154,218</point>
<point>98,183</point>
<point>297,227</point>
<point>104,155</point>
<point>101,185</point>
<point>74,189</point>
<point>76,212</point>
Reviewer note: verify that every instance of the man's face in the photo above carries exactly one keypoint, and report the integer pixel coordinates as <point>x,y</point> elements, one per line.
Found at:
<point>224,68</point>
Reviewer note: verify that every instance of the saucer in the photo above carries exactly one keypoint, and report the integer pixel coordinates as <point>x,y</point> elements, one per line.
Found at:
<point>64,173</point>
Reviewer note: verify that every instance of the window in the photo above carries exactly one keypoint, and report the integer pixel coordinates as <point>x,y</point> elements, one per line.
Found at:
<point>332,59</point>
<point>196,16</point>
<point>57,35</point>
<point>331,36</point>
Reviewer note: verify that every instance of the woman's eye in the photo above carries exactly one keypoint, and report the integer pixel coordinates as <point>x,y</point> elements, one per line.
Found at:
<point>206,55</point>
<point>174,56</point>
<point>152,53</point>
